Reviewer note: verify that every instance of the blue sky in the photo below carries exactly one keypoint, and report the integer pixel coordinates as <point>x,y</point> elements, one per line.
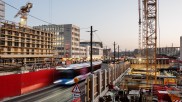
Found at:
<point>115,20</point>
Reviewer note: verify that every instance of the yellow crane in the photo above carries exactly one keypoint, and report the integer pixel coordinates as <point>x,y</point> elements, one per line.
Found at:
<point>149,37</point>
<point>139,23</point>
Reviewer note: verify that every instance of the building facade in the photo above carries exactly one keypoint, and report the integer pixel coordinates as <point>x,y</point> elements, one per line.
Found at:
<point>2,10</point>
<point>97,50</point>
<point>82,53</point>
<point>67,40</point>
<point>96,44</point>
<point>170,51</point>
<point>25,44</point>
<point>106,54</point>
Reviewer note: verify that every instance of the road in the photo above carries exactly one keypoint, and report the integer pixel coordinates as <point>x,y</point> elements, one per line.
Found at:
<point>53,93</point>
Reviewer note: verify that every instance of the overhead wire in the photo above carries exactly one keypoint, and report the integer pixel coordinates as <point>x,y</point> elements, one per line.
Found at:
<point>100,39</point>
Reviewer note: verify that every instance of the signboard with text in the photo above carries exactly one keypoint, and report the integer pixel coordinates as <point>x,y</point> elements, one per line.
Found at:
<point>76,93</point>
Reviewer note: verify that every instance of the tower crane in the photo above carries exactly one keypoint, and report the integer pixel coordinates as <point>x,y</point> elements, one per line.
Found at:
<point>23,12</point>
<point>149,37</point>
<point>139,23</point>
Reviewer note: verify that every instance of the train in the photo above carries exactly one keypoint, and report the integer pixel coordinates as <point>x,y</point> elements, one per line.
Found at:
<point>66,75</point>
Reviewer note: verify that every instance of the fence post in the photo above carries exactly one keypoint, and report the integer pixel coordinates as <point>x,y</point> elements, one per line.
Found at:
<point>87,89</point>
<point>109,76</point>
<point>105,78</point>
<point>92,86</point>
<point>100,82</point>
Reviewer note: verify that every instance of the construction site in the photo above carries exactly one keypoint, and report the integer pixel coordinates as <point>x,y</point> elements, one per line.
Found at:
<point>146,77</point>
<point>151,78</point>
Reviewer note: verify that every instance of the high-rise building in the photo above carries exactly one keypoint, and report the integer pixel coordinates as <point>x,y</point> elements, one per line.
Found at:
<point>67,40</point>
<point>25,44</point>
<point>2,10</point>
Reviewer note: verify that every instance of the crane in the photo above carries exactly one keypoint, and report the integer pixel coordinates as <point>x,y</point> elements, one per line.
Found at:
<point>23,12</point>
<point>149,37</point>
<point>139,23</point>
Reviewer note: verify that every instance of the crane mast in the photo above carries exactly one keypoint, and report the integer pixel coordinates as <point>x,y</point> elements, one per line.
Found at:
<point>149,38</point>
<point>139,23</point>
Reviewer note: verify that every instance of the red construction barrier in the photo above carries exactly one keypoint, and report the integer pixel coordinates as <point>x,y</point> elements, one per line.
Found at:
<point>35,80</point>
<point>10,85</point>
<point>16,84</point>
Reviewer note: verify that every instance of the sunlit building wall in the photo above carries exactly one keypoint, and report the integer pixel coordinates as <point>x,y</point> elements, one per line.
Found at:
<point>67,39</point>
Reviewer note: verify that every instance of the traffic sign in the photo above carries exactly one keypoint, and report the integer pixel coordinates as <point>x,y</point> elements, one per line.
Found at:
<point>76,89</point>
<point>76,93</point>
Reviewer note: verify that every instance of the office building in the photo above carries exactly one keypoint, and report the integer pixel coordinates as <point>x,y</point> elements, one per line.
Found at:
<point>67,40</point>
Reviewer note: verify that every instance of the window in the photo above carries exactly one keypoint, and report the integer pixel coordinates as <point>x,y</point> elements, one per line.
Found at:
<point>16,34</point>
<point>9,43</point>
<point>16,44</point>
<point>27,51</point>
<point>33,45</point>
<point>22,35</point>
<point>28,45</point>
<point>10,32</point>
<point>9,49</point>
<point>22,45</point>
<point>2,43</point>
<point>32,51</point>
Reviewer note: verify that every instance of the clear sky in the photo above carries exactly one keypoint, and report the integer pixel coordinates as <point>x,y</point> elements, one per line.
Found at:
<point>115,20</point>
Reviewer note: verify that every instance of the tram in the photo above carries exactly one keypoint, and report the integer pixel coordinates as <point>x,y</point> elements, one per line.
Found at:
<point>67,74</point>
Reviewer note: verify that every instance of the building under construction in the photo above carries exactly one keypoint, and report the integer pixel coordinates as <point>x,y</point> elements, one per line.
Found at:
<point>21,45</point>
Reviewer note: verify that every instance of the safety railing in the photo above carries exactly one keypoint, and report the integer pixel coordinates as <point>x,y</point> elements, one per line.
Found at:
<point>97,83</point>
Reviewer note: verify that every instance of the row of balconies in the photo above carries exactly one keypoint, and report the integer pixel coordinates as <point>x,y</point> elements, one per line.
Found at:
<point>25,30</point>
<point>25,56</point>
<point>40,39</point>
<point>23,53</point>
<point>40,46</point>
<point>25,50</point>
<point>28,41</point>
<point>27,47</point>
